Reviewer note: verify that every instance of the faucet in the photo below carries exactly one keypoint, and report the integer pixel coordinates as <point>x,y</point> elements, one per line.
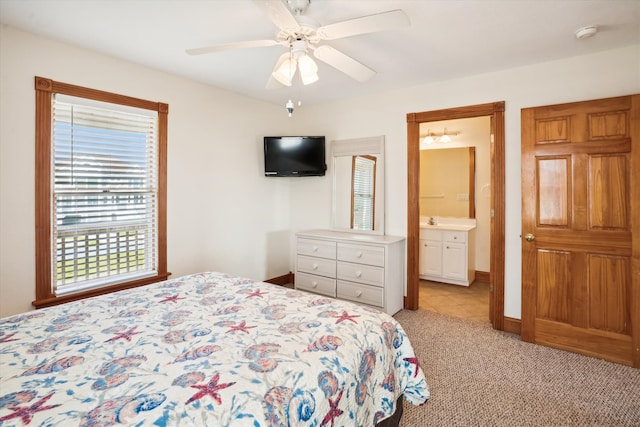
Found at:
<point>432,221</point>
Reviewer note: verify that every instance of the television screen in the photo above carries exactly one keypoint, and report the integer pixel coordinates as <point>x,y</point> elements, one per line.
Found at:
<point>294,156</point>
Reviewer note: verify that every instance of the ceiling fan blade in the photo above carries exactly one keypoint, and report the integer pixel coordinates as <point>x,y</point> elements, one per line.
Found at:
<point>230,46</point>
<point>366,24</point>
<point>344,63</point>
<point>278,13</point>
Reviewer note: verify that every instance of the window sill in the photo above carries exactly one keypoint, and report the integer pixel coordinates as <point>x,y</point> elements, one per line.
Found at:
<point>48,302</point>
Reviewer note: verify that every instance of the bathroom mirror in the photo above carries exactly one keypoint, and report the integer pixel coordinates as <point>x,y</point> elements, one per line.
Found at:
<point>447,182</point>
<point>358,185</point>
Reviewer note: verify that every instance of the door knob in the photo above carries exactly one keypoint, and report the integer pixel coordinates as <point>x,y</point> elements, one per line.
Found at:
<point>529,237</point>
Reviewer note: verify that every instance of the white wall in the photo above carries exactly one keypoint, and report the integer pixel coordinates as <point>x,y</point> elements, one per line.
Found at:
<point>223,214</point>
<point>606,74</point>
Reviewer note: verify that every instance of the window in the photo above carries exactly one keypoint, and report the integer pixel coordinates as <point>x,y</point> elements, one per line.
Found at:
<point>362,192</point>
<point>100,192</point>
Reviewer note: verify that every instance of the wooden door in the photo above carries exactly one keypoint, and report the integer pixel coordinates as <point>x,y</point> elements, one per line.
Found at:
<point>581,227</point>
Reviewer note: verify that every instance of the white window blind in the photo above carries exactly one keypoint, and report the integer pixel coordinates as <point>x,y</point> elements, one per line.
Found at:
<point>363,190</point>
<point>105,193</point>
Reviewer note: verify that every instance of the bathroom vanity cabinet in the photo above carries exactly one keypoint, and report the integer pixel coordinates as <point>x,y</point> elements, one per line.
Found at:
<point>447,253</point>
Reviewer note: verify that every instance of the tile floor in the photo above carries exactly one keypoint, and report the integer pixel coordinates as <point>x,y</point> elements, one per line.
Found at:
<point>460,301</point>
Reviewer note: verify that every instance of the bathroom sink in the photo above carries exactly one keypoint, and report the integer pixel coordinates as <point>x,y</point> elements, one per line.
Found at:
<point>455,227</point>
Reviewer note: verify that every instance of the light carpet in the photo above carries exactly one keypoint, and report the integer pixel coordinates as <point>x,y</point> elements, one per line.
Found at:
<point>482,377</point>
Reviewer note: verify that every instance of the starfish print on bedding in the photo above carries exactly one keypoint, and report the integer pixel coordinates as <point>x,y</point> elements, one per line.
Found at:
<point>173,298</point>
<point>334,411</point>
<point>414,361</point>
<point>124,335</point>
<point>209,389</point>
<point>7,338</point>
<point>256,293</point>
<point>26,413</point>
<point>242,327</point>
<point>346,316</point>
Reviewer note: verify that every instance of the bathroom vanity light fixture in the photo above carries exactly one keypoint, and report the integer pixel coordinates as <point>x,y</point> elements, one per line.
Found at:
<point>444,136</point>
<point>429,138</point>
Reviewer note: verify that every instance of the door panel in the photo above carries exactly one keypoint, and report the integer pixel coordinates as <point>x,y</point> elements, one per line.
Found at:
<point>610,294</point>
<point>580,262</point>
<point>553,285</point>
<point>608,191</point>
<point>553,190</point>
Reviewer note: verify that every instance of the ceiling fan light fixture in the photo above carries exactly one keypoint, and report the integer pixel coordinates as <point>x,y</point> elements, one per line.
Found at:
<point>307,79</point>
<point>303,34</point>
<point>307,65</point>
<point>285,72</point>
<point>298,48</point>
<point>308,69</point>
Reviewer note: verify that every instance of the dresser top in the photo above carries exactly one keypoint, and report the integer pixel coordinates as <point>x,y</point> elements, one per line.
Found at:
<point>350,237</point>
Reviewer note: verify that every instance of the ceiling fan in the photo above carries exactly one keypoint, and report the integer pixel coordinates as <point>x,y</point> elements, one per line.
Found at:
<point>301,34</point>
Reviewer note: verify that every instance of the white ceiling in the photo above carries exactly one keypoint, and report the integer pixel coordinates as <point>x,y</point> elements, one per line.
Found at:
<point>447,39</point>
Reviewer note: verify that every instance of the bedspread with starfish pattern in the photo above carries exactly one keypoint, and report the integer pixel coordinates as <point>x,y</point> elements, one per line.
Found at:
<point>208,349</point>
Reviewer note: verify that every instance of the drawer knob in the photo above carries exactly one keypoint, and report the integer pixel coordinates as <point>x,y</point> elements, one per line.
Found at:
<point>455,237</point>
<point>358,294</point>
<point>315,266</point>
<point>359,254</point>
<point>315,249</point>
<point>358,273</point>
<point>314,284</point>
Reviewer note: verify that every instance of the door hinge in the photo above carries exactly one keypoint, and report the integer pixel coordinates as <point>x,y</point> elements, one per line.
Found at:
<point>493,213</point>
<point>492,138</point>
<point>490,287</point>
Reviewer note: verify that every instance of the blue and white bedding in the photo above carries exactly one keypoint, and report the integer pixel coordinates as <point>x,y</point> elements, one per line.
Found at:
<point>208,349</point>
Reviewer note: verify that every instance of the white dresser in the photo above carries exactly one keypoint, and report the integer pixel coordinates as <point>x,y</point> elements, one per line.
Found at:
<point>364,268</point>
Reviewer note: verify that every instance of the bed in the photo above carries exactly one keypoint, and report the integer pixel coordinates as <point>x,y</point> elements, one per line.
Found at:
<point>208,349</point>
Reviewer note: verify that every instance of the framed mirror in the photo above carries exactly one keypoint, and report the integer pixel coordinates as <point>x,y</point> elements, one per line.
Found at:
<point>447,182</point>
<point>358,185</point>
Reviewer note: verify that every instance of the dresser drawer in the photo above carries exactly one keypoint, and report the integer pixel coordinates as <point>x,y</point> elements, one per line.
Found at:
<point>361,273</point>
<point>320,266</point>
<point>362,254</point>
<point>317,284</point>
<point>455,236</point>
<point>317,248</point>
<point>360,293</point>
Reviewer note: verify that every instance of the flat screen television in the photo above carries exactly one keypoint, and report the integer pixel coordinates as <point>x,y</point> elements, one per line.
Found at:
<point>294,156</point>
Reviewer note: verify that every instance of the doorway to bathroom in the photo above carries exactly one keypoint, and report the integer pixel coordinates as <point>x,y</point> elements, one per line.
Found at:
<point>455,217</point>
<point>495,190</point>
